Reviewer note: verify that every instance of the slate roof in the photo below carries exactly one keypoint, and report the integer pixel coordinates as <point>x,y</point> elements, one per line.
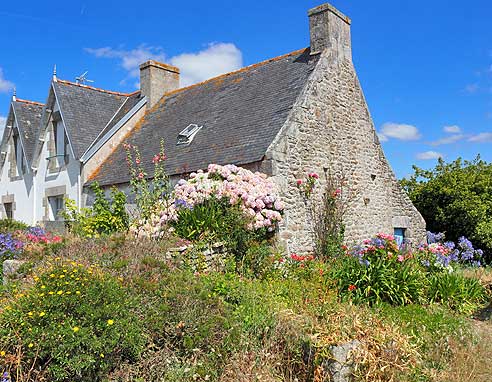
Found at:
<point>86,111</point>
<point>130,102</point>
<point>28,114</point>
<point>241,113</point>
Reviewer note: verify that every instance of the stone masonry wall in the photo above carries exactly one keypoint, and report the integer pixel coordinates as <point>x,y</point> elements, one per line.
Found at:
<point>330,130</point>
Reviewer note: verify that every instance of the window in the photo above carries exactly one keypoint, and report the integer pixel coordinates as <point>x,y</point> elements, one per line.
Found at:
<point>21,165</point>
<point>61,143</point>
<point>56,206</point>
<point>399,234</point>
<point>186,136</point>
<point>9,212</point>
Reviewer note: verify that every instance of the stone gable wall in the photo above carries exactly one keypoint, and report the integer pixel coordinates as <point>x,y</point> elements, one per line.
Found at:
<point>330,130</point>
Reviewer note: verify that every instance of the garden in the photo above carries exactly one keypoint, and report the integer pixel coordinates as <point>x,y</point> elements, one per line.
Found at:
<point>195,287</point>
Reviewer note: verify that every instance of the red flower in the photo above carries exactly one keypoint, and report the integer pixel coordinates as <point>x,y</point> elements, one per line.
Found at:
<point>352,287</point>
<point>313,175</point>
<point>299,182</point>
<point>140,175</point>
<point>137,161</point>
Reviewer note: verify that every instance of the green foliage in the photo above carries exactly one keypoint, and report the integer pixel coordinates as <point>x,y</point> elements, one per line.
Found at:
<point>455,198</point>
<point>103,218</point>
<point>215,220</point>
<point>148,193</point>
<point>10,225</point>
<point>456,291</point>
<point>75,323</point>
<point>384,279</point>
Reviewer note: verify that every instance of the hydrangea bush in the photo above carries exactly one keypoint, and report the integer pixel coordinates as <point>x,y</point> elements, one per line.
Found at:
<point>252,193</point>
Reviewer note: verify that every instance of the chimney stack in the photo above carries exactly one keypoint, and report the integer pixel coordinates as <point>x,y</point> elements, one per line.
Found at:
<point>157,79</point>
<point>330,30</point>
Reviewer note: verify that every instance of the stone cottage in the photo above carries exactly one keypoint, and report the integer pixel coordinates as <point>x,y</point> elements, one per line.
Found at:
<point>303,111</point>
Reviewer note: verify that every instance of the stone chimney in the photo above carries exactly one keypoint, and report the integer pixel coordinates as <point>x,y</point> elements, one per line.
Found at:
<point>330,30</point>
<point>156,79</point>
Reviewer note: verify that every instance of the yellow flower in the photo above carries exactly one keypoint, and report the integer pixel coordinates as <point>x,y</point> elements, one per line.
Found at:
<point>50,292</point>
<point>68,292</point>
<point>30,313</point>
<point>102,355</point>
<point>43,286</point>
<point>2,353</point>
<point>41,314</point>
<point>62,276</point>
<point>52,275</point>
<point>77,292</point>
<point>110,322</point>
<point>75,329</point>
<point>30,345</point>
<point>41,294</point>
<point>59,292</point>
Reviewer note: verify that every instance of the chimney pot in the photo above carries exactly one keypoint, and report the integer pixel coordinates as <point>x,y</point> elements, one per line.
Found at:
<point>157,79</point>
<point>330,30</point>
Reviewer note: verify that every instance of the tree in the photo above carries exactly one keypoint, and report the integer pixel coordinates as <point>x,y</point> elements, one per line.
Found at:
<point>455,198</point>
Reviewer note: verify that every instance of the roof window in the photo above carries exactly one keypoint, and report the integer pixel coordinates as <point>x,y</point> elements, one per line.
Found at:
<point>186,136</point>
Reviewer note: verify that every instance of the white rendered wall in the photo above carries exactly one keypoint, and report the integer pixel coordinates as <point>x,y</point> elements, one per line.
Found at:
<point>22,189</point>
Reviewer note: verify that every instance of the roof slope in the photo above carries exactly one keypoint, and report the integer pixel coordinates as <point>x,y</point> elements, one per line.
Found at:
<point>241,113</point>
<point>28,115</point>
<point>86,111</point>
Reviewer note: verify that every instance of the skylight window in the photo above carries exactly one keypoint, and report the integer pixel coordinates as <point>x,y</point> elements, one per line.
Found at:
<point>186,136</point>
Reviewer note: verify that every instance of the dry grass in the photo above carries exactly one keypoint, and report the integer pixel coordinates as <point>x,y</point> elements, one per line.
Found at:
<point>471,362</point>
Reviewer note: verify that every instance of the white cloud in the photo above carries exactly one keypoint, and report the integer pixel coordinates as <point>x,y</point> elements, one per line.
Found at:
<point>448,140</point>
<point>3,121</point>
<point>399,131</point>
<point>426,155</point>
<point>471,88</point>
<point>382,137</point>
<point>5,85</point>
<point>453,129</point>
<point>130,60</point>
<point>215,59</point>
<point>481,138</point>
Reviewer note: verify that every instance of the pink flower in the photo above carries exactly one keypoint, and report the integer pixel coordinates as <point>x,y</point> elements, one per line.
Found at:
<point>299,182</point>
<point>140,175</point>
<point>137,161</point>
<point>400,258</point>
<point>313,175</point>
<point>156,159</point>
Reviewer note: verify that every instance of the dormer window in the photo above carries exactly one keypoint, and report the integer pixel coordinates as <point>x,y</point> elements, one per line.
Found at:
<point>20,159</point>
<point>186,136</point>
<point>61,143</point>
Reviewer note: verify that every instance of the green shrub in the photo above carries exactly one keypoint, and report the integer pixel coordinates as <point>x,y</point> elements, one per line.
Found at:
<point>378,273</point>
<point>456,291</point>
<point>75,323</point>
<point>103,218</point>
<point>455,198</point>
<point>10,225</point>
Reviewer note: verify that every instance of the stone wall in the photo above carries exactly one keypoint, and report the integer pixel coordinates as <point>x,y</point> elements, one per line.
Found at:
<point>330,130</point>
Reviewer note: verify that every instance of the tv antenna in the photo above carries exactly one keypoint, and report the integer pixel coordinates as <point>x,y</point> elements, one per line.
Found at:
<point>82,79</point>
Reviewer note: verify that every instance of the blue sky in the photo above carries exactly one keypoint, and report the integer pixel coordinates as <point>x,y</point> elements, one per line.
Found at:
<point>425,66</point>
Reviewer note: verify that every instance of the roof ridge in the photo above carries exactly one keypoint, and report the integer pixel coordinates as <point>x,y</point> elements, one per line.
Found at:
<point>243,69</point>
<point>97,89</point>
<point>28,102</point>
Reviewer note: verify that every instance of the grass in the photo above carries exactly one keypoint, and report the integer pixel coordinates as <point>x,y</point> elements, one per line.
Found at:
<point>228,327</point>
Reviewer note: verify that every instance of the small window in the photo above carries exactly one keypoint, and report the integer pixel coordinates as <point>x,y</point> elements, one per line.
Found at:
<point>399,234</point>
<point>61,143</point>
<point>9,211</point>
<point>20,160</point>
<point>186,136</point>
<point>56,207</point>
